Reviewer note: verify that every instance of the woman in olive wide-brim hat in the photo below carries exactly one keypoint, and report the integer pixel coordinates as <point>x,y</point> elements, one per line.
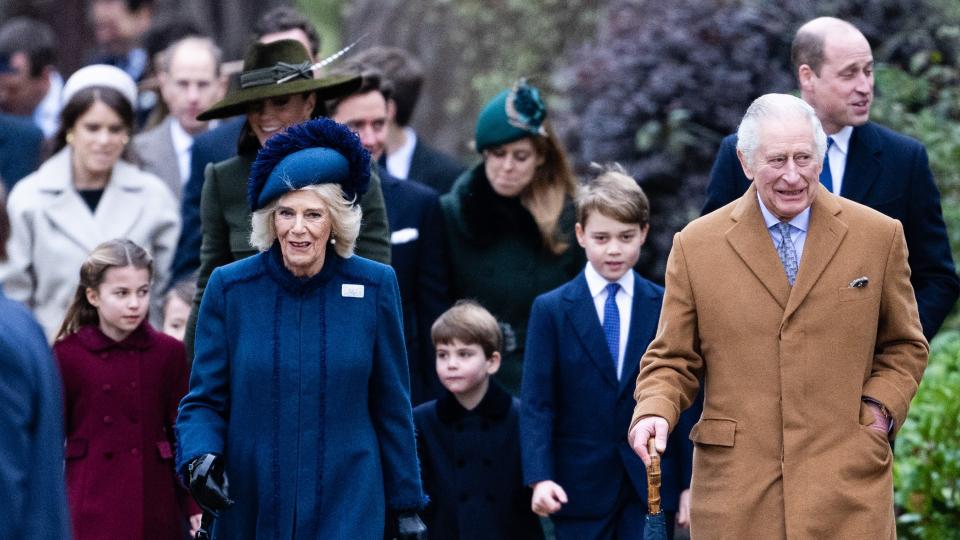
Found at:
<point>277,90</point>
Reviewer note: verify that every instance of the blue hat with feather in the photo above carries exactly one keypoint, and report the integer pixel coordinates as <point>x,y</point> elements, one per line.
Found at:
<point>318,151</point>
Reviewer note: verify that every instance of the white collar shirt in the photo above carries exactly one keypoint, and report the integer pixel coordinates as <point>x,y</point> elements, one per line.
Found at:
<point>398,161</point>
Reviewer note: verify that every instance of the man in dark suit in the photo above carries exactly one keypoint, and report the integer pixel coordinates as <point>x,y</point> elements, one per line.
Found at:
<point>418,246</point>
<point>866,162</point>
<point>407,156</point>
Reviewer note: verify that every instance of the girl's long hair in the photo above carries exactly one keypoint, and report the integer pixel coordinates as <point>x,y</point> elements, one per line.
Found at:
<point>112,253</point>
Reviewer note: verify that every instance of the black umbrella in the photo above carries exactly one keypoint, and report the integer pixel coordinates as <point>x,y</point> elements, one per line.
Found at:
<point>655,527</point>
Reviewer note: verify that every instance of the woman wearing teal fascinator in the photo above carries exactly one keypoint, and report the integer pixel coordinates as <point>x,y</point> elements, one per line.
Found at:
<point>510,218</point>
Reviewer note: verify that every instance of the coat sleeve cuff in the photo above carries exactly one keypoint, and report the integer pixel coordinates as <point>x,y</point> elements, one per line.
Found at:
<point>655,406</point>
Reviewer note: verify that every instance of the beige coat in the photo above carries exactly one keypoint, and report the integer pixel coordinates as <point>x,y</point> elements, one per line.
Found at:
<point>782,450</point>
<point>53,231</point>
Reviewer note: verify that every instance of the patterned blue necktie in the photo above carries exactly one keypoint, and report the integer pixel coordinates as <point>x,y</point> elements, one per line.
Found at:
<point>787,253</point>
<point>826,177</point>
<point>611,324</point>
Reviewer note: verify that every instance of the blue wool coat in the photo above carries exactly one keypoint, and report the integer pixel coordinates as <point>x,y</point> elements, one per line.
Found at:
<point>33,500</point>
<point>576,413</point>
<point>301,384</point>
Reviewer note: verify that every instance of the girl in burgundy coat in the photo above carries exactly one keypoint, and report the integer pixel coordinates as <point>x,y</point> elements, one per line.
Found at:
<point>122,384</point>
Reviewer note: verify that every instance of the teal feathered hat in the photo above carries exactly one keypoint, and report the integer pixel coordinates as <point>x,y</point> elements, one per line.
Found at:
<point>318,151</point>
<point>511,115</point>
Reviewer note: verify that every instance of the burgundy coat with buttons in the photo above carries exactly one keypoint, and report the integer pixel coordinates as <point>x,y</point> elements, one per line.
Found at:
<point>121,403</point>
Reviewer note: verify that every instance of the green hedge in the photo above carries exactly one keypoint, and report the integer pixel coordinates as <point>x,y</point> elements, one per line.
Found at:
<point>927,466</point>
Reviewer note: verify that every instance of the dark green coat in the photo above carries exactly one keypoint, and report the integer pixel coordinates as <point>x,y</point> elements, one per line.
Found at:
<point>497,257</point>
<point>225,215</point>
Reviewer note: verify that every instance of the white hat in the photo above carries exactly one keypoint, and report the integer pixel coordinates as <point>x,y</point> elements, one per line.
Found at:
<point>100,75</point>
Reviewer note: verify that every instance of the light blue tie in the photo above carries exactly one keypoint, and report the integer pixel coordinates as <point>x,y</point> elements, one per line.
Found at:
<point>787,253</point>
<point>611,324</point>
<point>826,177</point>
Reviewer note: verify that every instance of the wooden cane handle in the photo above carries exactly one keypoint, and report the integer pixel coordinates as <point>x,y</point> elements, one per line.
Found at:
<point>653,478</point>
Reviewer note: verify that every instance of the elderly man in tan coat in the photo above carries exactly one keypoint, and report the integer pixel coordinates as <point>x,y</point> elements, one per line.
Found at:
<point>794,306</point>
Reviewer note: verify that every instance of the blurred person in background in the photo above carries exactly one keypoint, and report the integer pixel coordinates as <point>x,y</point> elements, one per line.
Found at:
<point>31,419</point>
<point>407,155</point>
<point>118,27</point>
<point>32,87</point>
<point>176,307</point>
<point>190,83</point>
<point>163,32</point>
<point>510,219</point>
<point>84,195</point>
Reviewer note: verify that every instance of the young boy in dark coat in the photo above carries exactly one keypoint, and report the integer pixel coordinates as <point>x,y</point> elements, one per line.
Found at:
<point>468,439</point>
<point>584,343</point>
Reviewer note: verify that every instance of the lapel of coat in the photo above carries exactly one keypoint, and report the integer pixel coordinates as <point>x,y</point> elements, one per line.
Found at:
<point>582,313</point>
<point>824,235</point>
<point>168,162</point>
<point>67,212</point>
<point>642,329</point>
<point>751,240</point>
<point>863,163</point>
<point>122,203</point>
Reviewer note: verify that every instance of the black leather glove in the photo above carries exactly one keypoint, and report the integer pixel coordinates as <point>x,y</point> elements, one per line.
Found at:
<point>410,527</point>
<point>208,483</point>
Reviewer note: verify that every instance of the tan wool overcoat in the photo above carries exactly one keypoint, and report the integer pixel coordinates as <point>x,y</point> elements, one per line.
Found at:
<point>782,449</point>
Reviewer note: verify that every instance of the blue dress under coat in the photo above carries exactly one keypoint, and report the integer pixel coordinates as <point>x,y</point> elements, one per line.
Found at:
<point>301,384</point>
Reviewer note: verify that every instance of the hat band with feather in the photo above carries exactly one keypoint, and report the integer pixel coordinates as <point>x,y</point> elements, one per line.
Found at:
<point>272,75</point>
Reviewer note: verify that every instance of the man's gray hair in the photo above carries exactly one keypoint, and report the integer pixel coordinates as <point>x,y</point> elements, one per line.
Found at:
<point>780,107</point>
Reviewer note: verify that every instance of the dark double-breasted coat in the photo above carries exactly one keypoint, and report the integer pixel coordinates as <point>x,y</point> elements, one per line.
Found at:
<point>575,410</point>
<point>121,403</point>
<point>301,385</point>
<point>471,469</point>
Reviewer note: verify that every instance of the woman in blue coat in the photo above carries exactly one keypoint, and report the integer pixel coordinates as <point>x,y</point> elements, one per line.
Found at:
<point>299,394</point>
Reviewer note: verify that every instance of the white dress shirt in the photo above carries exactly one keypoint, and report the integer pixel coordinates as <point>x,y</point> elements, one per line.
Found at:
<point>183,146</point>
<point>598,290</point>
<point>398,161</point>
<point>47,114</point>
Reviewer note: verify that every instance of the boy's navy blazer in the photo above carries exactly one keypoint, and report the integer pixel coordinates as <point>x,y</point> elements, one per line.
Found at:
<point>890,173</point>
<point>575,413</point>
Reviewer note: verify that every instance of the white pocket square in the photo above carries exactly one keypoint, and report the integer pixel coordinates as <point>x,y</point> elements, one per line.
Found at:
<point>403,236</point>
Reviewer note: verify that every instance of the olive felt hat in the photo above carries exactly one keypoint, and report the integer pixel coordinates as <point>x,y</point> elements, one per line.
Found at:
<point>268,63</point>
<point>511,115</point>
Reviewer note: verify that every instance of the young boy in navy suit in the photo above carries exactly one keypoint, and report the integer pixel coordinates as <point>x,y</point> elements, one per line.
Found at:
<point>584,344</point>
<point>468,439</point>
